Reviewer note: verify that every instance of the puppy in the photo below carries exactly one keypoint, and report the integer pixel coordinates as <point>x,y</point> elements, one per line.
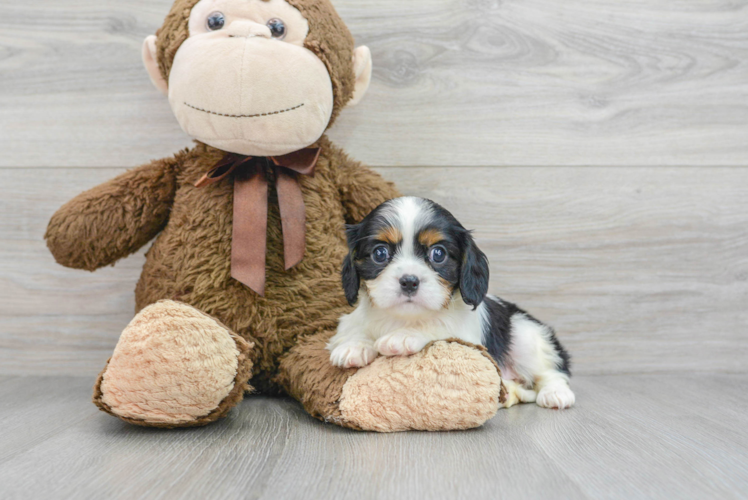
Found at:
<point>424,279</point>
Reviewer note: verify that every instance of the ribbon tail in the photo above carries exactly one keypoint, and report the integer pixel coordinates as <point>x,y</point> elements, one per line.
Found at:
<point>293,218</point>
<point>249,235</point>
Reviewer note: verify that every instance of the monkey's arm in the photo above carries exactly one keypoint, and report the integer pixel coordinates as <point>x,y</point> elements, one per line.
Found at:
<point>362,190</point>
<point>114,219</point>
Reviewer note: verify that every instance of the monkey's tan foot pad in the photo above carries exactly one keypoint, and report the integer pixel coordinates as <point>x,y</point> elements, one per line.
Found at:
<point>449,385</point>
<point>174,367</point>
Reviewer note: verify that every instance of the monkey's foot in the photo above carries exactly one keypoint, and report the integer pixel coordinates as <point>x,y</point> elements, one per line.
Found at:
<point>174,366</point>
<point>449,385</point>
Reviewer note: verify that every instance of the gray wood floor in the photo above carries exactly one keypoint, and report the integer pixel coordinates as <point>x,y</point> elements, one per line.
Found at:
<point>644,436</point>
<point>597,147</point>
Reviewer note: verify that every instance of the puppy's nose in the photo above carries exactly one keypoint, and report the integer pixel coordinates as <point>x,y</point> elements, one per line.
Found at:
<point>409,284</point>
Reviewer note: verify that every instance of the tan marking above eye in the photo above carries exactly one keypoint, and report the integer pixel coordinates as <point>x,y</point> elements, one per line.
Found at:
<point>390,235</point>
<point>430,237</point>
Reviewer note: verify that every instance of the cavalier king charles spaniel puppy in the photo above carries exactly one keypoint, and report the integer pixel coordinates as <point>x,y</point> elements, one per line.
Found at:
<point>418,276</point>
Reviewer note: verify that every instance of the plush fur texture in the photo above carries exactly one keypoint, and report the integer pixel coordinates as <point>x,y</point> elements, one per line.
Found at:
<point>190,259</point>
<point>309,377</point>
<point>116,218</point>
<point>154,376</point>
<point>239,89</point>
<point>279,337</point>
<point>458,383</point>
<point>174,367</point>
<point>328,38</point>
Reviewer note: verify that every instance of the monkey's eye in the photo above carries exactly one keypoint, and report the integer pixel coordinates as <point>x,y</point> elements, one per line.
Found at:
<point>380,254</point>
<point>277,28</point>
<point>438,254</point>
<point>215,21</point>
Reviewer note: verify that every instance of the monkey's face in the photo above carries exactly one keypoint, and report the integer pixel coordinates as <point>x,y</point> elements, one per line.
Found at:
<point>244,82</point>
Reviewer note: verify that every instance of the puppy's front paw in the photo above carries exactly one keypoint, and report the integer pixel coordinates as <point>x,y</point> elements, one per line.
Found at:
<point>400,344</point>
<point>557,396</point>
<point>353,355</point>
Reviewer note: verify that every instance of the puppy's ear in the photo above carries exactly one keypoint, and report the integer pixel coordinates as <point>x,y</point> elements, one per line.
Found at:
<point>351,281</point>
<point>351,235</point>
<point>474,272</point>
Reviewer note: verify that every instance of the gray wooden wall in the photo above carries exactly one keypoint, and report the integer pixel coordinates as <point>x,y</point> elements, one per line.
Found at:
<point>598,147</point>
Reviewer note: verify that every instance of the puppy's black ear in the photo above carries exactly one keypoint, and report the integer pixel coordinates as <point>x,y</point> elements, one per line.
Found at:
<point>351,281</point>
<point>351,235</point>
<point>474,272</point>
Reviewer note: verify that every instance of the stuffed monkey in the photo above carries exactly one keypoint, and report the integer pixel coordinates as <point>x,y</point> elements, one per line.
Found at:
<point>242,283</point>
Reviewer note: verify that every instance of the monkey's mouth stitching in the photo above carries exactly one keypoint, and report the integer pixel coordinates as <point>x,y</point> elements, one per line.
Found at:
<point>244,116</point>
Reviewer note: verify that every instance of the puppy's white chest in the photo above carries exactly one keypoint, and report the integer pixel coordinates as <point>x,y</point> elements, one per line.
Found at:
<point>394,335</point>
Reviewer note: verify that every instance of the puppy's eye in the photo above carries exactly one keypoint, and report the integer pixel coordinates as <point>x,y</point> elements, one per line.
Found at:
<point>215,21</point>
<point>277,28</point>
<point>380,254</point>
<point>438,254</point>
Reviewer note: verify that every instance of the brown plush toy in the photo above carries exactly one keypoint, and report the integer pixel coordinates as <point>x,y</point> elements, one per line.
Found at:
<point>242,284</point>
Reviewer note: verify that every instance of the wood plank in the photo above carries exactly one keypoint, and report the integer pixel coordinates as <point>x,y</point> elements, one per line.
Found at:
<point>639,269</point>
<point>621,441</point>
<point>37,408</point>
<point>683,394</point>
<point>103,454</point>
<point>515,82</point>
<point>475,464</point>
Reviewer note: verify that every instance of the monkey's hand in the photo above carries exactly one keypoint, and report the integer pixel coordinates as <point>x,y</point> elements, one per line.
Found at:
<point>114,219</point>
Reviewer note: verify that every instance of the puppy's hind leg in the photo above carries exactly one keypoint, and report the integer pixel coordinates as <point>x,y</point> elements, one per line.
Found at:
<point>515,393</point>
<point>538,356</point>
<point>555,393</point>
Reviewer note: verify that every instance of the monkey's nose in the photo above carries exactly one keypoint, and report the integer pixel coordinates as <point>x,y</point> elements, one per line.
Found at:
<point>248,29</point>
<point>409,284</point>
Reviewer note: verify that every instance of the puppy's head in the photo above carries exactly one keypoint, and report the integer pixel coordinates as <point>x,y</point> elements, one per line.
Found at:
<point>413,256</point>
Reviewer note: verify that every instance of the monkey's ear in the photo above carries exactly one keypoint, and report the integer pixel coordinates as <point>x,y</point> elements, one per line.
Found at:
<point>151,64</point>
<point>362,72</point>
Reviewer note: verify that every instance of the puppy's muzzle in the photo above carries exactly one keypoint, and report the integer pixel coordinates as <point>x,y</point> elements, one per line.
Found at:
<point>409,284</point>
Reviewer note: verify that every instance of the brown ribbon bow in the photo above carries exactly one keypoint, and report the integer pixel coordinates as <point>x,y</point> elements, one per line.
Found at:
<point>249,236</point>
